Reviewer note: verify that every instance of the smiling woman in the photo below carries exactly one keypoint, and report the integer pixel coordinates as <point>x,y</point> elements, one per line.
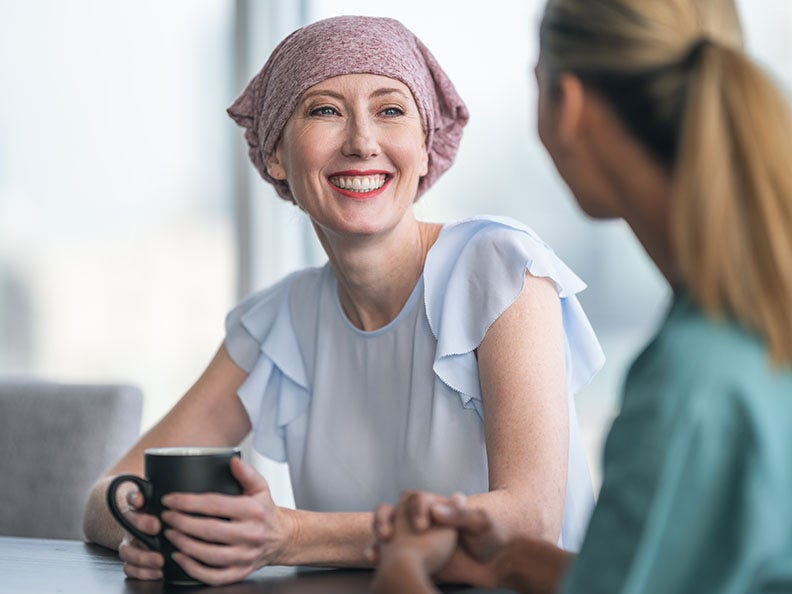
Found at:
<point>366,118</point>
<point>421,356</point>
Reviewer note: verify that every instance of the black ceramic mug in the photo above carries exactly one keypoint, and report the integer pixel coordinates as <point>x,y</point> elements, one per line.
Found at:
<point>172,470</point>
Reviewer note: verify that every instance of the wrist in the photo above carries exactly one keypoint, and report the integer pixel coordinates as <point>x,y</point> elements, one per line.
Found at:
<point>302,537</point>
<point>531,566</point>
<point>503,567</point>
<point>289,524</point>
<point>401,570</point>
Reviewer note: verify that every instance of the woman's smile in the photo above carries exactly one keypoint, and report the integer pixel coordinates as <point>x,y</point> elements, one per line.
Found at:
<point>360,185</point>
<point>353,140</point>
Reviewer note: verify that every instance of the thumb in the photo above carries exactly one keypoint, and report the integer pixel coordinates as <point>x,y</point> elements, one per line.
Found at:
<point>247,476</point>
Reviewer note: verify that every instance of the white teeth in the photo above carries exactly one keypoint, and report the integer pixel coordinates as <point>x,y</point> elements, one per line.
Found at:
<point>359,183</point>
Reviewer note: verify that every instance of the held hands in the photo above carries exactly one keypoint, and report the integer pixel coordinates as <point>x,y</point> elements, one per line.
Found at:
<point>221,538</point>
<point>408,549</point>
<point>480,539</point>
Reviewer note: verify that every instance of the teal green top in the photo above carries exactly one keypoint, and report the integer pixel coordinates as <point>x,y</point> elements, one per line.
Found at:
<point>697,476</point>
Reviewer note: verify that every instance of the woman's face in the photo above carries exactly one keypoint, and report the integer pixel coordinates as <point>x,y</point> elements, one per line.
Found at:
<point>569,143</point>
<point>353,152</point>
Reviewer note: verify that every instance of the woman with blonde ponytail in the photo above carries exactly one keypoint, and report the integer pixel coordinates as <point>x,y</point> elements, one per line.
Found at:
<point>652,112</point>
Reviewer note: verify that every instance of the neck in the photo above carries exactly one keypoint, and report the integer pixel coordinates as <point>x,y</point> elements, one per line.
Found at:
<point>642,187</point>
<point>646,198</point>
<point>376,274</point>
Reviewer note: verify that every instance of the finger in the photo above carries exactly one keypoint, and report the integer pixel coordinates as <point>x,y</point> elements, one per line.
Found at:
<point>250,480</point>
<point>383,522</point>
<point>212,554</point>
<point>474,521</point>
<point>143,522</point>
<point>458,500</point>
<point>130,551</point>
<point>372,553</point>
<point>134,498</point>
<point>142,573</point>
<point>213,529</point>
<point>445,512</point>
<point>212,504</point>
<point>470,521</point>
<point>211,575</point>
<point>417,509</point>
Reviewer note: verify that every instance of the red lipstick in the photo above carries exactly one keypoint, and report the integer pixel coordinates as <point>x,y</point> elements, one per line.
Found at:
<point>356,173</point>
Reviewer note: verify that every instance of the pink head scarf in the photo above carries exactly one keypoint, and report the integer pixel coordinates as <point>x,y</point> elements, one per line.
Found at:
<point>349,45</point>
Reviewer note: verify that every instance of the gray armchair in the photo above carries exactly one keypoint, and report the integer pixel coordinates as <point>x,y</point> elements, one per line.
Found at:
<point>55,441</point>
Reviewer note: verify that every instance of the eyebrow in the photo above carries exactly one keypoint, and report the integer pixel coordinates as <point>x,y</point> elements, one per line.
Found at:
<point>378,93</point>
<point>388,91</point>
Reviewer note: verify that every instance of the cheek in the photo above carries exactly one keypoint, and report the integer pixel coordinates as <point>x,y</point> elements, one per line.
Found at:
<point>543,123</point>
<point>410,152</point>
<point>306,148</point>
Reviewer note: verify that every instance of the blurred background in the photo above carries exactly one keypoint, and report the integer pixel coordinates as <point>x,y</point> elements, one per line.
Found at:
<point>131,220</point>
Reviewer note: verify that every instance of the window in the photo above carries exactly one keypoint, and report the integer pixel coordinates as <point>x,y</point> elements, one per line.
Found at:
<point>117,251</point>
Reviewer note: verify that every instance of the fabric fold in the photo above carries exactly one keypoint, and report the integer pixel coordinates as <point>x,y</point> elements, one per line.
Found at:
<point>261,340</point>
<point>475,274</point>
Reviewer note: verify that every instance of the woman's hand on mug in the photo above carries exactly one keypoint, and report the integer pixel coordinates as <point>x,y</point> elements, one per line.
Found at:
<point>139,562</point>
<point>233,535</point>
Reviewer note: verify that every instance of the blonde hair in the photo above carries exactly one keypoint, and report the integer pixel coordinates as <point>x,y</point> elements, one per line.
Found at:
<point>676,74</point>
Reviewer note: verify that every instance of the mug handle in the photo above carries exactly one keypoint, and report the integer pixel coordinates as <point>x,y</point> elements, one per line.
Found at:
<point>145,487</point>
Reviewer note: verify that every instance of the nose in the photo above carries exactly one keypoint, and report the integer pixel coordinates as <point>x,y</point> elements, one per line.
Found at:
<point>361,138</point>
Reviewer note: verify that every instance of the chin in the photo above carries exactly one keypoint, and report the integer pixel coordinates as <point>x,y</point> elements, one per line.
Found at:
<point>596,209</point>
<point>355,226</point>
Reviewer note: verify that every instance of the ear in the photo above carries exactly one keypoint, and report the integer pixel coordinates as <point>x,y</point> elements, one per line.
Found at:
<point>424,161</point>
<point>572,106</point>
<point>274,165</point>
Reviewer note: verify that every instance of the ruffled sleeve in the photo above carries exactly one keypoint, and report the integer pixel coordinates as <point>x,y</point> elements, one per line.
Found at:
<point>473,273</point>
<point>261,339</point>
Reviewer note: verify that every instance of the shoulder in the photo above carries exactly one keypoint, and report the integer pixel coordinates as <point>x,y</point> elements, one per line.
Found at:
<point>489,251</point>
<point>697,364</point>
<point>270,310</point>
<point>484,234</point>
<point>273,297</point>
<point>477,269</point>
<point>281,288</point>
<point>696,346</point>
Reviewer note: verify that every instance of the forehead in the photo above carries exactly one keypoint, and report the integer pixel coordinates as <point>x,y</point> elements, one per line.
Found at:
<point>357,85</point>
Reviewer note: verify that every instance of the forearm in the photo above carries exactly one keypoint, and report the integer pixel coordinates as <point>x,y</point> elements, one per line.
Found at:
<point>524,516</point>
<point>99,525</point>
<point>531,566</point>
<point>332,539</point>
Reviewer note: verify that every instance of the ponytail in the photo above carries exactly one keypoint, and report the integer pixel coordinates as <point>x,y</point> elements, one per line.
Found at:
<point>731,211</point>
<point>676,75</point>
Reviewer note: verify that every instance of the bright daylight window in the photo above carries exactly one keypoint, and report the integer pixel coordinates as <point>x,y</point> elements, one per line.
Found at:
<point>117,254</point>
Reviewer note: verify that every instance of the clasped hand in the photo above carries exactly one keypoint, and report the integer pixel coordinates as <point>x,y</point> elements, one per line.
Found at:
<point>448,539</point>
<point>221,538</point>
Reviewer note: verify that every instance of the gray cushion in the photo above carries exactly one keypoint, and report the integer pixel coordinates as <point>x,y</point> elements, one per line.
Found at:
<point>55,441</point>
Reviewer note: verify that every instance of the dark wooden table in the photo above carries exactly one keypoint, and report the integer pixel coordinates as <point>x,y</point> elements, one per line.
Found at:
<point>38,566</point>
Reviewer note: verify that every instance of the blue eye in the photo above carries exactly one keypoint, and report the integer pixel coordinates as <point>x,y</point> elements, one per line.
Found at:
<point>392,111</point>
<point>323,111</point>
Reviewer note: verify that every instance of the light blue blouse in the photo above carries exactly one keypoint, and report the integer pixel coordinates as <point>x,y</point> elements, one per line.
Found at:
<point>361,416</point>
